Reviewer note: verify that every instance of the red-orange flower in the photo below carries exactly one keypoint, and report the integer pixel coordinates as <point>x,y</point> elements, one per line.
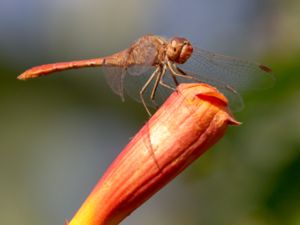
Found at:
<point>192,119</point>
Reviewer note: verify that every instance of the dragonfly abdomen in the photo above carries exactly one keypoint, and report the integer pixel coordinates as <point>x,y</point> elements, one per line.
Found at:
<point>43,70</point>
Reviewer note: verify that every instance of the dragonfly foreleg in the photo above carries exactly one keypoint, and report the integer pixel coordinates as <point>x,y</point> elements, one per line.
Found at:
<point>180,70</point>
<point>162,83</point>
<point>181,73</point>
<point>166,85</point>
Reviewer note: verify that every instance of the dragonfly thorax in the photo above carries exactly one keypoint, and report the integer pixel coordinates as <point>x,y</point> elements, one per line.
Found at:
<point>179,50</point>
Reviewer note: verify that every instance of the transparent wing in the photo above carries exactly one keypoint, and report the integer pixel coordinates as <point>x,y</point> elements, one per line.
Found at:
<point>236,102</point>
<point>136,70</point>
<point>115,78</point>
<point>134,84</point>
<point>123,84</point>
<point>239,74</point>
<point>230,75</point>
<point>143,55</point>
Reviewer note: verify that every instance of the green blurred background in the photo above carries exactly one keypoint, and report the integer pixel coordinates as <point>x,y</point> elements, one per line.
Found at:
<point>59,134</point>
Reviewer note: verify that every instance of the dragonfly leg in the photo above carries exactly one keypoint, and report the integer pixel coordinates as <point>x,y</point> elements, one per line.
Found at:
<point>181,73</point>
<point>153,92</point>
<point>175,80</point>
<point>146,85</point>
<point>162,83</point>
<point>180,70</point>
<point>161,72</point>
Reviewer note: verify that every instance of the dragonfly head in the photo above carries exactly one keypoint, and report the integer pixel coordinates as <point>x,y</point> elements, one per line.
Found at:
<point>179,50</point>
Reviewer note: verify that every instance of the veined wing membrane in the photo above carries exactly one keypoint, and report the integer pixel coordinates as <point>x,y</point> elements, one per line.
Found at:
<point>230,75</point>
<point>237,73</point>
<point>236,102</point>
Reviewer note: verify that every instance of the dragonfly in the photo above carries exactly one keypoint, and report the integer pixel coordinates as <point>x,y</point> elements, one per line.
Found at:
<point>165,63</point>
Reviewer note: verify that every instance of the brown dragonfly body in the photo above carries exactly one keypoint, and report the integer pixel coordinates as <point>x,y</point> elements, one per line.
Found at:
<point>137,54</point>
<point>161,54</point>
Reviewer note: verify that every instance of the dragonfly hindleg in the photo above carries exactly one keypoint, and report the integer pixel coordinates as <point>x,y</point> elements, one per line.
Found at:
<point>157,73</point>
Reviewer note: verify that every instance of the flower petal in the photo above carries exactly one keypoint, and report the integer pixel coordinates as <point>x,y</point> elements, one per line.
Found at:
<point>191,120</point>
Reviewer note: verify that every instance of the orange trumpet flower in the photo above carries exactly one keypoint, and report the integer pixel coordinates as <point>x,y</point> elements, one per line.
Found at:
<point>191,120</point>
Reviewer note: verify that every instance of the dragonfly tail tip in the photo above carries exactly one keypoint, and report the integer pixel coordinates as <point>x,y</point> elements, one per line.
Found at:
<point>22,76</point>
<point>265,68</point>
